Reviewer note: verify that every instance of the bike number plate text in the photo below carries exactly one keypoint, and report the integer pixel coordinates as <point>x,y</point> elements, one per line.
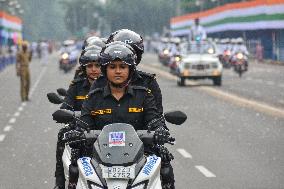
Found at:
<point>119,172</point>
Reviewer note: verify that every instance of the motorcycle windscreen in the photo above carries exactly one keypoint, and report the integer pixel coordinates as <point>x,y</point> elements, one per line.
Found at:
<point>118,144</point>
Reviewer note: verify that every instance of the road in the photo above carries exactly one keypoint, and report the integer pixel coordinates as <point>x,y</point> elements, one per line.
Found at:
<point>233,138</point>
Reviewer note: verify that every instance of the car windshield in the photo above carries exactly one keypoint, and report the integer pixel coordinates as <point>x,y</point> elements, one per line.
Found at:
<point>200,47</point>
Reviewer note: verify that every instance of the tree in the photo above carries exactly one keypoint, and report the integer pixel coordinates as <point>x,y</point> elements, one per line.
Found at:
<point>43,20</point>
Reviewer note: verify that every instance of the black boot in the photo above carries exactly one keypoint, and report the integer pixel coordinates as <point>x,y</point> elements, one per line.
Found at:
<point>59,182</point>
<point>59,169</point>
<point>167,176</point>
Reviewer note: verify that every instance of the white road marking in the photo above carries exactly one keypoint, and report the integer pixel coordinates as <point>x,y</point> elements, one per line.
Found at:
<point>205,171</point>
<point>20,109</point>
<point>184,153</point>
<point>7,128</point>
<point>12,120</point>
<point>16,114</point>
<point>37,81</point>
<point>24,103</point>
<point>2,137</point>
<point>258,106</point>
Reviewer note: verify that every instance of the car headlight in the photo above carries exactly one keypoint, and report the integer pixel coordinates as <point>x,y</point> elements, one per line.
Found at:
<point>65,56</point>
<point>240,56</point>
<point>210,50</point>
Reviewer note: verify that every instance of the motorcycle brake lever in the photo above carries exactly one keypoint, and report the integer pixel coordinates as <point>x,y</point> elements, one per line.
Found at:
<point>171,140</point>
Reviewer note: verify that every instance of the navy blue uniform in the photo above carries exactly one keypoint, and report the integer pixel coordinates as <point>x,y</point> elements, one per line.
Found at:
<point>136,107</point>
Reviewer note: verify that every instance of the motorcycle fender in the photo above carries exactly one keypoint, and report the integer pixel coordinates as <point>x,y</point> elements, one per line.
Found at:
<point>116,183</point>
<point>87,172</point>
<point>151,172</point>
<point>66,161</point>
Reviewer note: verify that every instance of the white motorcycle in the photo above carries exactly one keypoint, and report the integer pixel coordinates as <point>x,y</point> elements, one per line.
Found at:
<point>117,160</point>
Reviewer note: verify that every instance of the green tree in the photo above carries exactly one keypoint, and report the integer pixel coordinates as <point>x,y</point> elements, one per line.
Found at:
<point>143,16</point>
<point>43,20</point>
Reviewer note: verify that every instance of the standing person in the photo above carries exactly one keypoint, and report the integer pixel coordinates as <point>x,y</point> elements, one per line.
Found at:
<point>22,67</point>
<point>197,32</point>
<point>76,94</point>
<point>44,52</point>
<point>259,52</point>
<point>38,49</point>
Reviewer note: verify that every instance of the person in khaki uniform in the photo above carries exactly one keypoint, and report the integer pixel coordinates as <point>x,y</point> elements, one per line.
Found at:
<point>22,68</point>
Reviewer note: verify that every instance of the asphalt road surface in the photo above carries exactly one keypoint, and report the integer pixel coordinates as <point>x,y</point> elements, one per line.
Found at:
<point>233,138</point>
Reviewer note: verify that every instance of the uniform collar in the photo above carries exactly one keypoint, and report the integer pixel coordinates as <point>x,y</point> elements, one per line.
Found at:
<point>86,83</point>
<point>107,92</point>
<point>136,76</point>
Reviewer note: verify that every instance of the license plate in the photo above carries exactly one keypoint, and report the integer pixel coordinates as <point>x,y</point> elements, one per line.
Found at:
<point>119,172</point>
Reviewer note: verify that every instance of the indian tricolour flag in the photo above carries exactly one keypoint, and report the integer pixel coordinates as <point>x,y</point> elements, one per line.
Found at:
<point>250,15</point>
<point>10,27</point>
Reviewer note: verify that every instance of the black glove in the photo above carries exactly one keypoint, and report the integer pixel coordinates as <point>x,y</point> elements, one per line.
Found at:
<point>73,135</point>
<point>164,153</point>
<point>161,136</point>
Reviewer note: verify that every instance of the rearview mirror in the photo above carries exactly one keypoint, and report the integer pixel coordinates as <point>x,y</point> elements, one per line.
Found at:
<point>175,117</point>
<point>63,116</point>
<point>54,98</point>
<point>62,92</point>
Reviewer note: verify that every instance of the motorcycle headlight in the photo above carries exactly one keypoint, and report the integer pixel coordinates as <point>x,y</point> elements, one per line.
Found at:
<point>166,51</point>
<point>177,59</point>
<point>65,55</point>
<point>240,56</point>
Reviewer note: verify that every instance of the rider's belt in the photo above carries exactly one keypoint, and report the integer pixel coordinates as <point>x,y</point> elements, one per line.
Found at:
<point>135,110</point>
<point>101,112</point>
<point>81,97</point>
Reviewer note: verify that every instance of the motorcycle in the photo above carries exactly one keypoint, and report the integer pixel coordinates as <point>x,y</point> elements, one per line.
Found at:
<point>67,61</point>
<point>64,62</point>
<point>174,63</point>
<point>240,63</point>
<point>225,58</point>
<point>164,56</point>
<point>117,159</point>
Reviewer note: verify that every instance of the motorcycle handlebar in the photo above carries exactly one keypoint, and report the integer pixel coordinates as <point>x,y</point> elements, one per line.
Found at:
<point>91,136</point>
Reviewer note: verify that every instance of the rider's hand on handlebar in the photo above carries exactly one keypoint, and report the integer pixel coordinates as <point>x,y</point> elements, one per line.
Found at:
<point>161,136</point>
<point>73,135</point>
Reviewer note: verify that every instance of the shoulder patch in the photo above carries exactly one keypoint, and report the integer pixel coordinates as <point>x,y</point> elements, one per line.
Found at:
<point>142,88</point>
<point>145,74</point>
